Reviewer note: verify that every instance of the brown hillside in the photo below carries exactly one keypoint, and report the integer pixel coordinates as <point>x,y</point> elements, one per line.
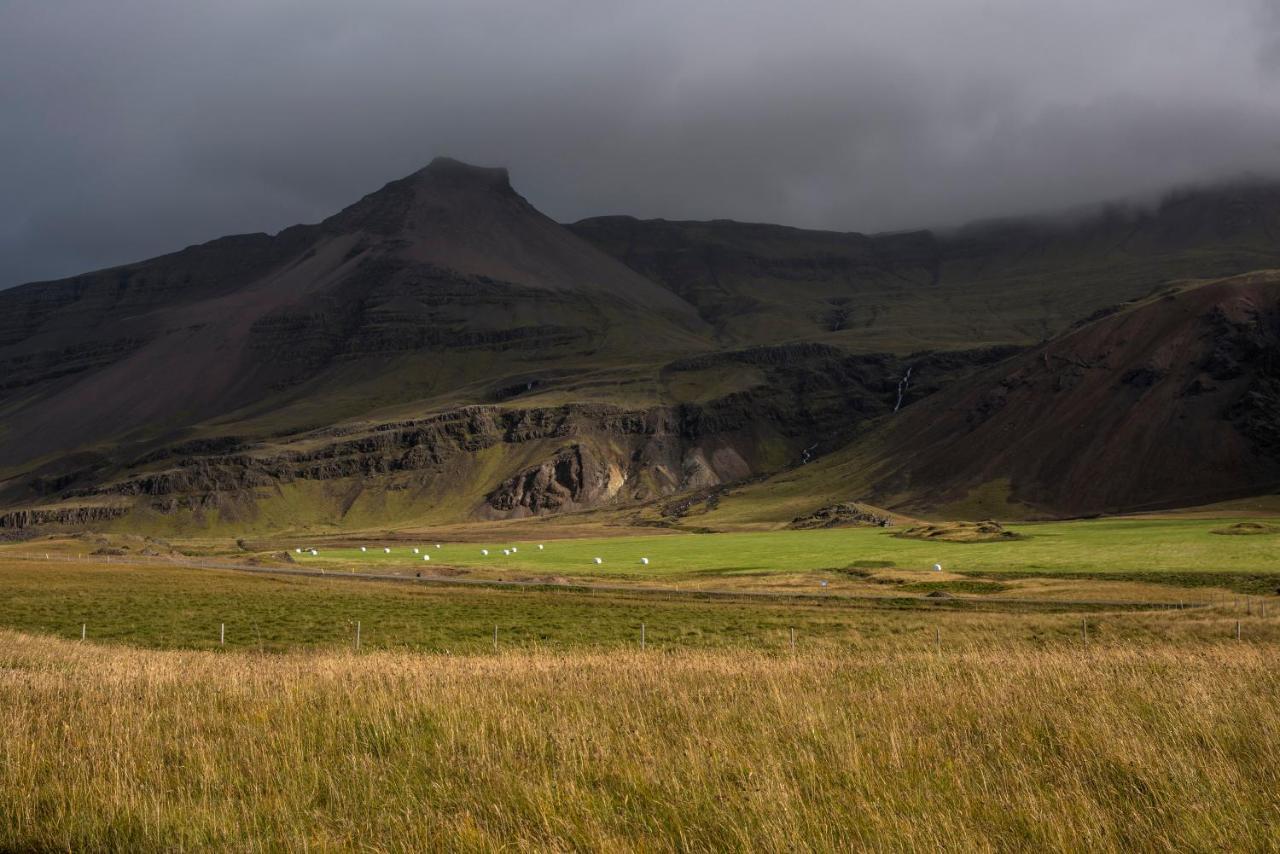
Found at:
<point>1173,401</point>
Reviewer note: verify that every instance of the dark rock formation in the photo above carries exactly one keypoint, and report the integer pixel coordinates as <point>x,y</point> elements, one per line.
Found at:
<point>69,517</point>
<point>565,480</point>
<point>844,515</point>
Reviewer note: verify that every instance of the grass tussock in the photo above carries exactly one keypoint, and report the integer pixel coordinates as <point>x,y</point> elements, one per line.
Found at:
<point>1101,748</point>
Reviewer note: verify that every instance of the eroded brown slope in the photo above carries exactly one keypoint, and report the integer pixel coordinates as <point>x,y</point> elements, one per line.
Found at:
<point>1174,401</point>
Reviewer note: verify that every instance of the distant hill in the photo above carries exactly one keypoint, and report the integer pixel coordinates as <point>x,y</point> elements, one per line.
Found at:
<point>440,350</point>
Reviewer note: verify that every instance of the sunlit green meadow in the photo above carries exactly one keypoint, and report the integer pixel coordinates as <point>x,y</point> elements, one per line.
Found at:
<point>1104,546</point>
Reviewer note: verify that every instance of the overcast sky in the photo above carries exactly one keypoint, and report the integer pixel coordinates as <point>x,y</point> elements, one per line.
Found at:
<point>135,127</point>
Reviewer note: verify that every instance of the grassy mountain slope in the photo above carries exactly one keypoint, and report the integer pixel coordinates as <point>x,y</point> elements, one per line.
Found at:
<point>1018,281</point>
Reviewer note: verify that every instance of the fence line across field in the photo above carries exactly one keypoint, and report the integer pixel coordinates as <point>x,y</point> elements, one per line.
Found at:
<point>669,593</point>
<point>937,634</point>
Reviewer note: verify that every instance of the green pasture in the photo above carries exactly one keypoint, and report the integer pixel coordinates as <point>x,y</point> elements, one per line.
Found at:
<point>165,607</point>
<point>1139,546</point>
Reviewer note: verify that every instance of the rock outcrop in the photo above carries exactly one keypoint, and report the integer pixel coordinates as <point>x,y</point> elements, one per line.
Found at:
<point>572,478</point>
<point>71,516</point>
<point>849,514</point>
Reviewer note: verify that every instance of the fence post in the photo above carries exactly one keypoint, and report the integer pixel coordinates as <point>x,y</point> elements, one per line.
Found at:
<point>1237,630</point>
<point>222,634</point>
<point>642,635</point>
<point>357,635</point>
<point>1084,629</point>
<point>495,638</point>
<point>83,627</point>
<point>793,638</point>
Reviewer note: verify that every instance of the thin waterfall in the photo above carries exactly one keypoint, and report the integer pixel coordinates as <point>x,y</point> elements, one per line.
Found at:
<point>902,388</point>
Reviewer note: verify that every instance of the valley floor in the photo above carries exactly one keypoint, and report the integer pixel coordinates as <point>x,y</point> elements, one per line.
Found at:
<point>1058,692</point>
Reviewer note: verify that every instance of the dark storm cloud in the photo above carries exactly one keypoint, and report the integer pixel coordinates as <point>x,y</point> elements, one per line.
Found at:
<point>135,127</point>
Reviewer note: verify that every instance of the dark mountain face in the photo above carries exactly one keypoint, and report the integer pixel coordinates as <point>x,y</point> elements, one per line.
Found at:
<point>440,349</point>
<point>1018,281</point>
<point>448,261</point>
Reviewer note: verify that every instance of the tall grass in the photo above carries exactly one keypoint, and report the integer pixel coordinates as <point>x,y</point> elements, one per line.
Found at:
<point>1103,748</point>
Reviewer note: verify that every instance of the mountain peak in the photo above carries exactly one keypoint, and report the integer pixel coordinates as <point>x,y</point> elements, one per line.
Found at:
<point>454,173</point>
<point>444,184</point>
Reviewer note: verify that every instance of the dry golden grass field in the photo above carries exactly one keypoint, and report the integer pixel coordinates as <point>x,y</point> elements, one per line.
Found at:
<point>1065,720</point>
<point>1161,746</point>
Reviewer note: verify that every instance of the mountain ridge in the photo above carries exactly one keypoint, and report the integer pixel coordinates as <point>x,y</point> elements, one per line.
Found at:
<point>1001,282</point>
<point>198,384</point>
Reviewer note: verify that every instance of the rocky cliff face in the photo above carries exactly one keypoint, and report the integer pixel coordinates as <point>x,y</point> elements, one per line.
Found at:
<point>613,455</point>
<point>571,478</point>
<point>75,516</point>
